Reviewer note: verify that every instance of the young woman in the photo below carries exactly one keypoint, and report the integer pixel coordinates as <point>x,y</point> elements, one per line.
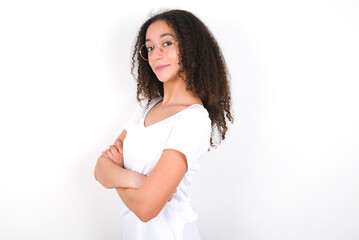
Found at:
<point>184,96</point>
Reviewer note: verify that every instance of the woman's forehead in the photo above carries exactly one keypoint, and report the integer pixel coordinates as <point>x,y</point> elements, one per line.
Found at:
<point>164,35</point>
<point>159,29</point>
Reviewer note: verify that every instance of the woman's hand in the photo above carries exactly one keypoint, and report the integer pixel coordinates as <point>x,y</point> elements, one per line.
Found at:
<point>169,200</point>
<point>115,152</point>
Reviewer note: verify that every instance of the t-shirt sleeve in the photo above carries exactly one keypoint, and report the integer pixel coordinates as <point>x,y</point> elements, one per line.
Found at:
<point>190,135</point>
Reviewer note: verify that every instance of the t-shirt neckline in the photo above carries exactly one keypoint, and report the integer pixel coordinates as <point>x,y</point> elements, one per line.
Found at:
<point>165,119</point>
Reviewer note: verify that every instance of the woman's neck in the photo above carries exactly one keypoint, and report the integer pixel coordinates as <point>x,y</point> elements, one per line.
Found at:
<point>175,92</point>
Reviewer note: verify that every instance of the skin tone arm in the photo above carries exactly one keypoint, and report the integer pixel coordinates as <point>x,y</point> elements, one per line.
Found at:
<point>145,196</point>
<point>148,200</point>
<point>109,169</point>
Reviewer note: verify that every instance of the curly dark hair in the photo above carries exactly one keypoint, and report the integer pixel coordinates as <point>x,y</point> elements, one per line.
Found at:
<point>202,63</point>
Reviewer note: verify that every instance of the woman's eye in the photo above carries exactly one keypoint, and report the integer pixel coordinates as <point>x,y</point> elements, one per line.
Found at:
<point>149,49</point>
<point>166,44</point>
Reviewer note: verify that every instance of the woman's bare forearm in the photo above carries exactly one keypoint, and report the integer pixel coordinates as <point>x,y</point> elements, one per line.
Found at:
<point>147,201</point>
<point>136,201</point>
<point>110,175</point>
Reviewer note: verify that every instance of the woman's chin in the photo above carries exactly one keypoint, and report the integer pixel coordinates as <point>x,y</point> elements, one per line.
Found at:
<point>164,79</point>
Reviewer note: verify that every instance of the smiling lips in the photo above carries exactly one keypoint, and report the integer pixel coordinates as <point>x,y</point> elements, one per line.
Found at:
<point>161,67</point>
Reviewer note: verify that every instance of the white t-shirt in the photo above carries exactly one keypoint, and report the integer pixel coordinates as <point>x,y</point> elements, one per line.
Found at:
<point>188,132</point>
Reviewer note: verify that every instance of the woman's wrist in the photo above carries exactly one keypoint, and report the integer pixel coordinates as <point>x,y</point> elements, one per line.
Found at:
<point>118,163</point>
<point>139,180</point>
<point>134,179</point>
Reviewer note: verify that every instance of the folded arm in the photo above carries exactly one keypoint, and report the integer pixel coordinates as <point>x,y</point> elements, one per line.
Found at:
<point>144,196</point>
<point>148,200</point>
<point>109,170</point>
<point>110,175</point>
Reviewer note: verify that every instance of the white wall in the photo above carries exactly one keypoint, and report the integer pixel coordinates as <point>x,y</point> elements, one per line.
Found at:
<point>288,169</point>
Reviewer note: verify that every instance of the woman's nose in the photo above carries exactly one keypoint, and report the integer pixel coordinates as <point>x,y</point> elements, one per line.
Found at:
<point>157,52</point>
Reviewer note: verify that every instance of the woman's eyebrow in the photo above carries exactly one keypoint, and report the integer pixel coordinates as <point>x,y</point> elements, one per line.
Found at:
<point>166,34</point>
<point>162,35</point>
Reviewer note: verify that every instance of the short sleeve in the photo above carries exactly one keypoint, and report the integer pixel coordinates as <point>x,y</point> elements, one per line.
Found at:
<point>191,134</point>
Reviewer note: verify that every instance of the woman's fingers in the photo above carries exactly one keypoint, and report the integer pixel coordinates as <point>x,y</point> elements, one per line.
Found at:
<point>172,195</point>
<point>119,145</point>
<point>109,154</point>
<point>114,151</point>
<point>104,154</point>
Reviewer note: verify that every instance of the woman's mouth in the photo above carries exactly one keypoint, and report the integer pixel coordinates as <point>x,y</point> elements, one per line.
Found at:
<point>161,67</point>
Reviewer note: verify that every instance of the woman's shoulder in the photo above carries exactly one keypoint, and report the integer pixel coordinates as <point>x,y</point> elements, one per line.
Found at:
<point>196,114</point>
<point>197,109</point>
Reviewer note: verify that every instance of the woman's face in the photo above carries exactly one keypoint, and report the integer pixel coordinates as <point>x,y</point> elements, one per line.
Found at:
<point>162,46</point>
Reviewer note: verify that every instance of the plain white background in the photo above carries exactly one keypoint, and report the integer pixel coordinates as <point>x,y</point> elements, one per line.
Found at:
<point>287,170</point>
